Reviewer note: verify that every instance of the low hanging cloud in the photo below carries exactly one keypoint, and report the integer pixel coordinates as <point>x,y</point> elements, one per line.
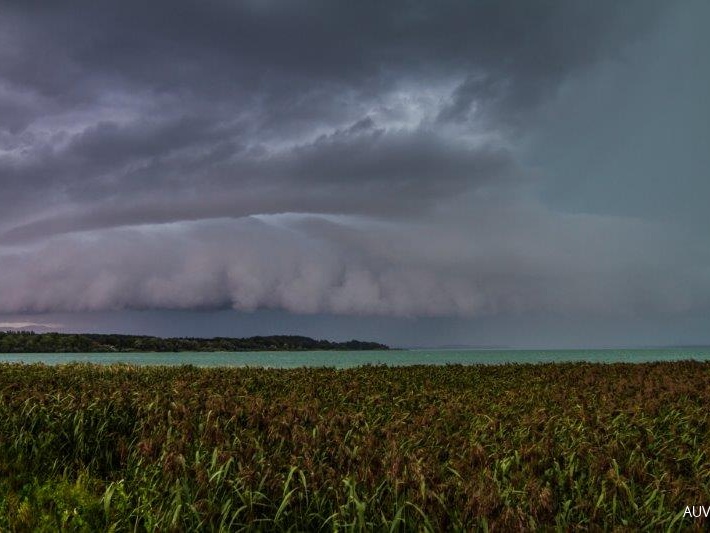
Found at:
<point>531,260</point>
<point>392,158</point>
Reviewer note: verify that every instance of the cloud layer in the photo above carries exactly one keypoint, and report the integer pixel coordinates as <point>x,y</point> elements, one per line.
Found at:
<point>374,158</point>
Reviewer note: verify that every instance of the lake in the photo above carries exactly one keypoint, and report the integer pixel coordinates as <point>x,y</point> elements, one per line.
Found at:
<point>347,359</point>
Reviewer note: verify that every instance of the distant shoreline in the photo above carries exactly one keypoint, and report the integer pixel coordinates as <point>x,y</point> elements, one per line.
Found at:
<point>30,342</point>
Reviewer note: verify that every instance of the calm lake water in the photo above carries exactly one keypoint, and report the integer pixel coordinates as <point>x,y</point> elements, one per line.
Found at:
<point>346,359</point>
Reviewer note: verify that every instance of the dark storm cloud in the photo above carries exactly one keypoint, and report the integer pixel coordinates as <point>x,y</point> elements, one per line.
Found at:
<point>278,56</point>
<point>255,67</point>
<point>136,137</point>
<point>336,41</point>
<point>358,170</point>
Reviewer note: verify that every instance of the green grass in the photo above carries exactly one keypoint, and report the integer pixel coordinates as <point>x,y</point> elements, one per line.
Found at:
<point>554,446</point>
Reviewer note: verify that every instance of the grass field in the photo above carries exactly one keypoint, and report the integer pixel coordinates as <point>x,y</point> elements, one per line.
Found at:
<point>435,448</point>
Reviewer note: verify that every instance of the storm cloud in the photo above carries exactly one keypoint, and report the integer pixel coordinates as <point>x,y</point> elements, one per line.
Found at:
<point>453,159</point>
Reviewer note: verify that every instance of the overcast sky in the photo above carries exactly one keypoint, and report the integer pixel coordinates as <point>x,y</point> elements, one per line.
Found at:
<point>474,172</point>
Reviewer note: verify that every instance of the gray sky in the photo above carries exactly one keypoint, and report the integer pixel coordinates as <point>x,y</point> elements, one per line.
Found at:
<point>491,172</point>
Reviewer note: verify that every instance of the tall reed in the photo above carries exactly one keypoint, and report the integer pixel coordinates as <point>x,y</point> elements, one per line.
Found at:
<point>86,448</point>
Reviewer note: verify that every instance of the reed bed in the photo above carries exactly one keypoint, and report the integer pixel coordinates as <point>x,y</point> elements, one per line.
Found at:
<point>497,448</point>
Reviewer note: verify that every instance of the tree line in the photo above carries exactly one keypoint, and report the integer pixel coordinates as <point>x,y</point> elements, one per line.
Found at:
<point>30,342</point>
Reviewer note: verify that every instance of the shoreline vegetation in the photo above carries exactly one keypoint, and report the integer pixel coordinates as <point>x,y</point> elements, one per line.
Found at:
<point>30,342</point>
<point>422,448</point>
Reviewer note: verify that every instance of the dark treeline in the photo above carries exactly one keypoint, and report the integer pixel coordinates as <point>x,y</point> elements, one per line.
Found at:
<point>30,342</point>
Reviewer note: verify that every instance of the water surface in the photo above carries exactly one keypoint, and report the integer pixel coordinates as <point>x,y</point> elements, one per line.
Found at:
<point>346,359</point>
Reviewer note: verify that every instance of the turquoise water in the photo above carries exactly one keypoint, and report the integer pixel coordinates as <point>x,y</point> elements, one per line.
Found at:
<point>345,359</point>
